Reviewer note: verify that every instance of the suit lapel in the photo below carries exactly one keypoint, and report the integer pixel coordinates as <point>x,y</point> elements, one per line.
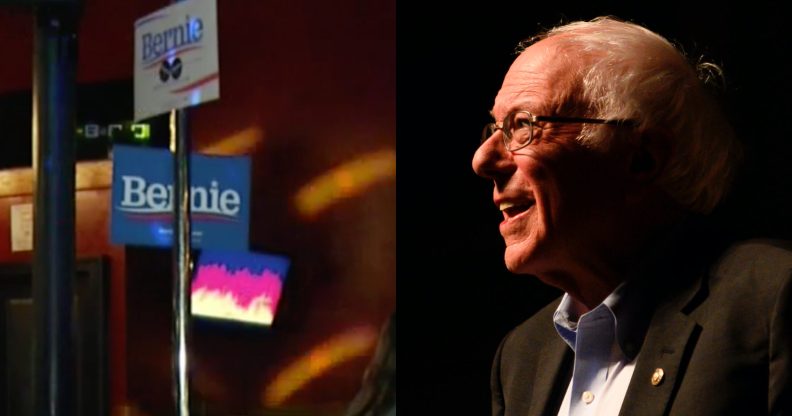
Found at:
<point>666,350</point>
<point>548,367</point>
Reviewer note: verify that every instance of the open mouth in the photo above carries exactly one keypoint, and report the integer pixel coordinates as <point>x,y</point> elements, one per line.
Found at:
<point>511,209</point>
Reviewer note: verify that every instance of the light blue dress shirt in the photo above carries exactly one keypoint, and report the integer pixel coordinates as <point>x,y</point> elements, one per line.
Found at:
<point>591,336</point>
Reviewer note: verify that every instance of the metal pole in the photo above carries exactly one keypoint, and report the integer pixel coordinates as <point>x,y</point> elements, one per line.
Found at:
<point>54,67</point>
<point>182,259</point>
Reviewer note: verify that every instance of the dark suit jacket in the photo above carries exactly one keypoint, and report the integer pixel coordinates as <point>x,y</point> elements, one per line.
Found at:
<point>719,330</point>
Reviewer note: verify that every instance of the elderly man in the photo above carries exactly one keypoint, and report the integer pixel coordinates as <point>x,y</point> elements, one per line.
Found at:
<point>605,143</point>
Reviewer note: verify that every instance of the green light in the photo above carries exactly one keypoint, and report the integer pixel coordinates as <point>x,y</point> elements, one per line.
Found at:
<point>141,132</point>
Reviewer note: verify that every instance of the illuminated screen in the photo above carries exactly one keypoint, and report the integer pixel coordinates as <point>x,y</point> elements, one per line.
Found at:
<point>238,286</point>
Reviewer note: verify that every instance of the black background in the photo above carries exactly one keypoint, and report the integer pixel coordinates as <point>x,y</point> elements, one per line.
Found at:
<point>455,296</point>
<point>100,103</point>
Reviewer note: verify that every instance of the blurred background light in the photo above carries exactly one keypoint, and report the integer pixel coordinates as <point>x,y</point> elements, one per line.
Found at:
<point>352,343</point>
<point>344,181</point>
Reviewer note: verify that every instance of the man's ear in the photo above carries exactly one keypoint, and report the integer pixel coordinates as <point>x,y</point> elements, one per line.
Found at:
<point>649,156</point>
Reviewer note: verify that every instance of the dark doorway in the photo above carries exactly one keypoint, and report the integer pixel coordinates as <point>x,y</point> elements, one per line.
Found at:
<point>16,338</point>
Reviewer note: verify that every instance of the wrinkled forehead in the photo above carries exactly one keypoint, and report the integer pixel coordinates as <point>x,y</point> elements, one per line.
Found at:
<point>539,80</point>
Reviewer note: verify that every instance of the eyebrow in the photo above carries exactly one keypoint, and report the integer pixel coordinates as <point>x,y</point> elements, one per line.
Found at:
<point>519,105</point>
<point>510,109</point>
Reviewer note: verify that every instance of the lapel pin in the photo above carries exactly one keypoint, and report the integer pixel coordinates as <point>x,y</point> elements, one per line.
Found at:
<point>657,376</point>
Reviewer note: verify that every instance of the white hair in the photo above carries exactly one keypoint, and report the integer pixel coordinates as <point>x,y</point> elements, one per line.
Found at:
<point>629,72</point>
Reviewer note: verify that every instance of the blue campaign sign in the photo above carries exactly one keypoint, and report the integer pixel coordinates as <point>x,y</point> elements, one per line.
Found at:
<point>143,199</point>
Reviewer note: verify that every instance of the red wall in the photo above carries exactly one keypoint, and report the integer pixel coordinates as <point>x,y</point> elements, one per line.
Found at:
<point>92,241</point>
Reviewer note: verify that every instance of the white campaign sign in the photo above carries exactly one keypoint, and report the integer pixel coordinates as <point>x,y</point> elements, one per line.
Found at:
<point>176,58</point>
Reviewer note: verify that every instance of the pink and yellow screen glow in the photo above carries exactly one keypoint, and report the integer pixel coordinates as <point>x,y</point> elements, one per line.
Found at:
<point>238,286</point>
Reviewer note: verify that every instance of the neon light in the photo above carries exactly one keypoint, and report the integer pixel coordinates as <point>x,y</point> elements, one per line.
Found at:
<point>141,132</point>
<point>240,142</point>
<point>345,181</point>
<point>353,343</point>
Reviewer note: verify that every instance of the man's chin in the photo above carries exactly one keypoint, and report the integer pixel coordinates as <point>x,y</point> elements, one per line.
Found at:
<point>518,259</point>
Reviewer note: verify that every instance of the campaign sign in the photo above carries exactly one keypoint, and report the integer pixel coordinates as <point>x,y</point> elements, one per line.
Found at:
<point>143,199</point>
<point>176,62</point>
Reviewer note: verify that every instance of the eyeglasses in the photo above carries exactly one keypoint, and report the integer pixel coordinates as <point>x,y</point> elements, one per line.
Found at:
<point>518,127</point>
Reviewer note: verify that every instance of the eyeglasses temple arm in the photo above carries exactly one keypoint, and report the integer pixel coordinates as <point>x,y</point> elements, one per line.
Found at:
<point>627,122</point>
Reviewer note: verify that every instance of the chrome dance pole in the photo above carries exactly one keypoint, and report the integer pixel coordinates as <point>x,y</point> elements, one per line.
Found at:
<point>182,262</point>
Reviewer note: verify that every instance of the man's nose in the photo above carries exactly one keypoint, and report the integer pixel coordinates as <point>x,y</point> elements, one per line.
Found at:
<point>491,159</point>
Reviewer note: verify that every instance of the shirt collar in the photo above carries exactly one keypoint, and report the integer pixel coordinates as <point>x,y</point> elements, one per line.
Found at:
<point>624,304</point>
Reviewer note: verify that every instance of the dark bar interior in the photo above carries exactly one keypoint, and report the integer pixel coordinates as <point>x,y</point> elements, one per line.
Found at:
<point>308,92</point>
